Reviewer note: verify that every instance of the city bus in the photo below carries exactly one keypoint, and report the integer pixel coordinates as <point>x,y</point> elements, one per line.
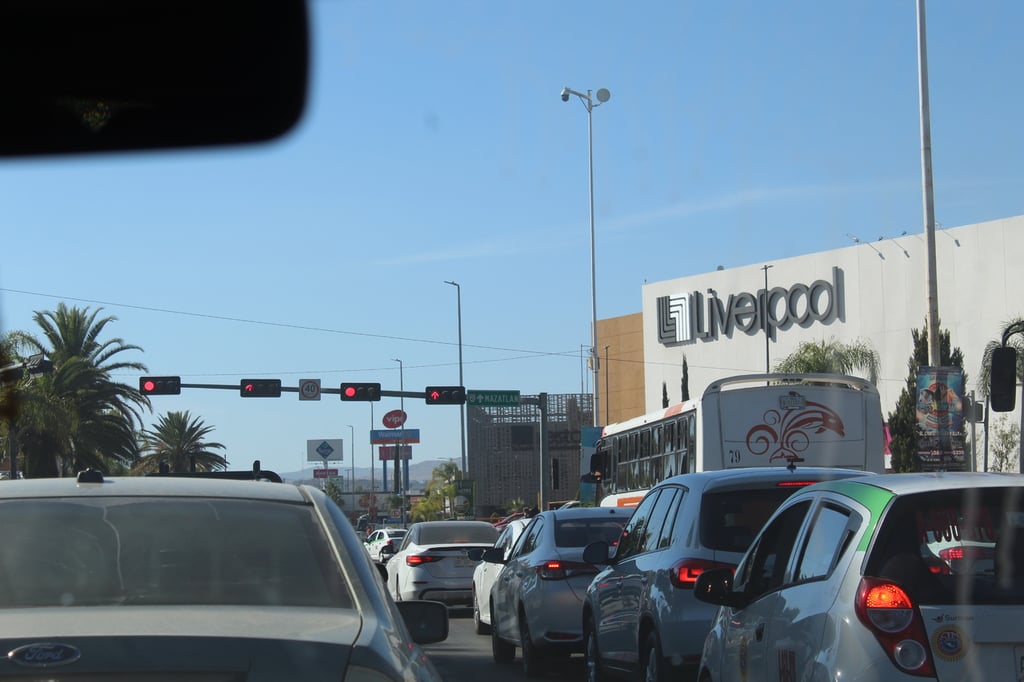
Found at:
<point>743,421</point>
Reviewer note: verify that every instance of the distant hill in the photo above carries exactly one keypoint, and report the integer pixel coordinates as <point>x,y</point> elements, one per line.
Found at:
<point>419,474</point>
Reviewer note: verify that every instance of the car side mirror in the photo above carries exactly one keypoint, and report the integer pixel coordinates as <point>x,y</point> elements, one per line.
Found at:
<point>492,555</point>
<point>598,553</point>
<point>714,586</point>
<point>427,621</point>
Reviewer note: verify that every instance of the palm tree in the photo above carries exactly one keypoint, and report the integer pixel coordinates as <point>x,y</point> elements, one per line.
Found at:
<point>178,439</point>
<point>77,416</point>
<point>832,357</point>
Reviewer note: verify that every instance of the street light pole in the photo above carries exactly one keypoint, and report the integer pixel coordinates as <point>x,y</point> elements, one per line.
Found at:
<point>399,478</point>
<point>603,95</point>
<point>462,407</point>
<point>352,456</point>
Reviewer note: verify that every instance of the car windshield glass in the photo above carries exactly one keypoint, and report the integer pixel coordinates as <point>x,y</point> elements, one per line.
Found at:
<point>444,533</point>
<point>110,550</point>
<point>949,547</point>
<point>581,532</point>
<point>730,519</point>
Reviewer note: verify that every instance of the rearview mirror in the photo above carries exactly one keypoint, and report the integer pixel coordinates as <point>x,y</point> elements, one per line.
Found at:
<point>106,75</point>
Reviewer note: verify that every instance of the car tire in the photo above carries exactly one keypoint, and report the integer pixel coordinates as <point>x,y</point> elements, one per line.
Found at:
<point>534,663</point>
<point>502,651</point>
<point>650,657</point>
<point>479,627</point>
<point>592,656</point>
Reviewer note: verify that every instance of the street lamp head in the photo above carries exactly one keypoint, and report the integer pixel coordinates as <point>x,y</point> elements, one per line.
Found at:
<point>565,94</point>
<point>603,95</point>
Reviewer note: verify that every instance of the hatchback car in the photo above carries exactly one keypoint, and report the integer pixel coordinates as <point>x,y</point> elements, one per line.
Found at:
<point>486,573</point>
<point>383,543</point>
<point>191,578</point>
<point>641,619</point>
<point>536,599</point>
<point>432,562</point>
<point>848,581</point>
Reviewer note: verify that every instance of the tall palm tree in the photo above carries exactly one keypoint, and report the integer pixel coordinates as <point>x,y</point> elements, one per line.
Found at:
<point>77,416</point>
<point>178,438</point>
<point>832,357</point>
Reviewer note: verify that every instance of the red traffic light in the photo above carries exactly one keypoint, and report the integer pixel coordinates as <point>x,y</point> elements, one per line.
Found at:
<point>362,392</point>
<point>445,395</point>
<point>160,385</point>
<point>260,388</point>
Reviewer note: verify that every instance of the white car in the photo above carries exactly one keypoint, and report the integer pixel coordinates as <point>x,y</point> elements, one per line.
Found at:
<point>537,599</point>
<point>486,572</point>
<point>433,564</point>
<point>845,583</point>
<point>383,543</point>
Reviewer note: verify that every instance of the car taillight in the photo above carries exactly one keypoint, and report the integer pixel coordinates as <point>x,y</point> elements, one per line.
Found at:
<point>892,617</point>
<point>420,559</point>
<point>683,573</point>
<point>954,553</point>
<point>560,570</point>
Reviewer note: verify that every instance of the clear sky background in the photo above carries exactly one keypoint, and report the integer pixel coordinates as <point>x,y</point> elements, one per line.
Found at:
<point>436,147</point>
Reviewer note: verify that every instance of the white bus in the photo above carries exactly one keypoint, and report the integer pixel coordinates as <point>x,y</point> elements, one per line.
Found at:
<point>743,421</point>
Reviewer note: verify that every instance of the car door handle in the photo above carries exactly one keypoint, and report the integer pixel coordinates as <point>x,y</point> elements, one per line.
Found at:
<point>759,632</point>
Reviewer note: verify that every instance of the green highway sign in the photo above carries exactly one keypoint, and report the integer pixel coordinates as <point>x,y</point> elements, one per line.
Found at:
<point>492,398</point>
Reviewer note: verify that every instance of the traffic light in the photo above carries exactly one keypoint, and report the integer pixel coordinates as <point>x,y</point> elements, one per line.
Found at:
<point>260,388</point>
<point>351,392</point>
<point>445,395</point>
<point>1003,379</point>
<point>160,385</point>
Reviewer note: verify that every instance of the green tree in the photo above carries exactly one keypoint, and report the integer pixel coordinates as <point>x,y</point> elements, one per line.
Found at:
<point>333,490</point>
<point>903,419</point>
<point>76,415</point>
<point>832,357</point>
<point>1004,445</point>
<point>178,438</point>
<point>442,483</point>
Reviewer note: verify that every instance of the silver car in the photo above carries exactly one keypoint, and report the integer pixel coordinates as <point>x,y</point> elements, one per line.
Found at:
<point>433,561</point>
<point>537,598</point>
<point>641,618</point>
<point>159,577</point>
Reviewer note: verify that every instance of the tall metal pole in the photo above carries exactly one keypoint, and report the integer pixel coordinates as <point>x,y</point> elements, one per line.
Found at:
<point>373,484</point>
<point>934,350</point>
<point>764,322</point>
<point>399,478</point>
<point>352,456</point>
<point>462,407</point>
<point>588,102</point>
<point>607,390</point>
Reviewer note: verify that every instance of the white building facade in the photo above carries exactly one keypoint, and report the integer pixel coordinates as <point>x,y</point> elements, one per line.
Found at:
<point>870,291</point>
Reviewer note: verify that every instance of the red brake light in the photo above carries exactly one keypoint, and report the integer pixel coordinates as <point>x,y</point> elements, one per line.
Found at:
<point>954,553</point>
<point>891,616</point>
<point>420,559</point>
<point>683,574</point>
<point>560,570</point>
<point>794,484</point>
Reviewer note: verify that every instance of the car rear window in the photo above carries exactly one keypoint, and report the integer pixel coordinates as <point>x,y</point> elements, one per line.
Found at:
<point>581,532</point>
<point>954,546</point>
<point>451,534</point>
<point>194,551</point>
<point>729,519</point>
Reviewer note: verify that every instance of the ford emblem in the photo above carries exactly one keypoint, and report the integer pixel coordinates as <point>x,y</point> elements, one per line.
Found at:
<point>44,655</point>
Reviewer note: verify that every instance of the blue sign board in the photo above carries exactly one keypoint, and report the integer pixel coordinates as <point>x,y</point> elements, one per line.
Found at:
<point>387,436</point>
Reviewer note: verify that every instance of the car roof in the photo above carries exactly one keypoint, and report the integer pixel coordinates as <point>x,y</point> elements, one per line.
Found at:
<point>455,523</point>
<point>754,474</point>
<point>151,486</point>
<point>586,512</point>
<point>910,483</point>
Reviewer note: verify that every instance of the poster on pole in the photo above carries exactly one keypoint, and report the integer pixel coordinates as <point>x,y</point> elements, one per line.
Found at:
<point>940,419</point>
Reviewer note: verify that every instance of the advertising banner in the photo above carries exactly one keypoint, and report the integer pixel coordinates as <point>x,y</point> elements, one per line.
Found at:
<point>940,419</point>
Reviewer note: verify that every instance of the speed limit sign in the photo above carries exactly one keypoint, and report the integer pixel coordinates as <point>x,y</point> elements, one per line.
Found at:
<point>309,389</point>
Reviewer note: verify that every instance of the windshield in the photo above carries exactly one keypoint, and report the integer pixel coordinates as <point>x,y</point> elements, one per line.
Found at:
<point>948,547</point>
<point>131,551</point>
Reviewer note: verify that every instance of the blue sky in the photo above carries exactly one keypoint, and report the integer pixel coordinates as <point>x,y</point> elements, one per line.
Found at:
<point>436,147</point>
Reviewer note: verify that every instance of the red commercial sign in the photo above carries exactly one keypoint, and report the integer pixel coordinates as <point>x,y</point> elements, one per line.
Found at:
<point>387,452</point>
<point>394,419</point>
<point>325,473</point>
